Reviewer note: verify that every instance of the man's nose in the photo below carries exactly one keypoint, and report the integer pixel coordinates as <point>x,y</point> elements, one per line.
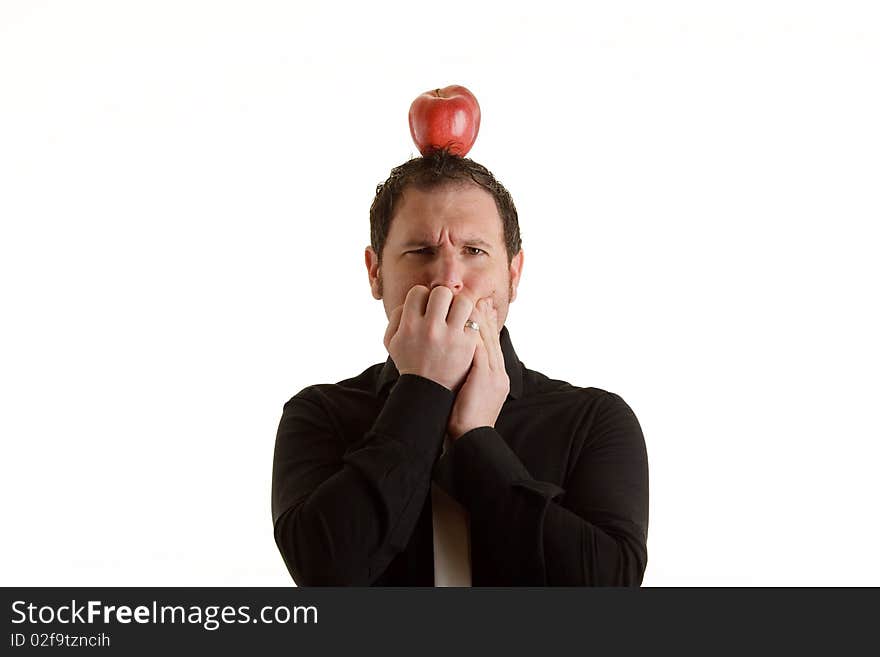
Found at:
<point>446,270</point>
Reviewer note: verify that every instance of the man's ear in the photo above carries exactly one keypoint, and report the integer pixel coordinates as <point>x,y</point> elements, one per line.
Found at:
<point>516,266</point>
<point>372,262</point>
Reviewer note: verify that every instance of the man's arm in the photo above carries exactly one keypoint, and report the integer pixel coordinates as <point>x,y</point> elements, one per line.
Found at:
<point>341,515</point>
<point>526,532</point>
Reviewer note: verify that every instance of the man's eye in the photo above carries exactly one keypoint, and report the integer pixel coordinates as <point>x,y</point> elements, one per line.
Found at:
<point>472,250</point>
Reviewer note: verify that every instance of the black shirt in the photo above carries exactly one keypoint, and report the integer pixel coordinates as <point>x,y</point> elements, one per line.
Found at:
<point>557,492</point>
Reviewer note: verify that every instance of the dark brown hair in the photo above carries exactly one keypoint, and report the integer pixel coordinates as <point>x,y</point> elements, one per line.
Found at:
<point>434,170</point>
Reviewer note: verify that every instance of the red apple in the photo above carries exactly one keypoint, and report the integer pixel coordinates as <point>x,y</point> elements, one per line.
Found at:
<point>445,118</point>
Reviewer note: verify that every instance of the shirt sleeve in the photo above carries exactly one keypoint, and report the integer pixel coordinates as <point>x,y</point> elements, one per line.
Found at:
<point>342,510</point>
<point>525,532</point>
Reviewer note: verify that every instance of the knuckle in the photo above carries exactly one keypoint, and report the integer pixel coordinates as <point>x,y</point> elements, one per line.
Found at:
<point>433,333</point>
<point>465,301</point>
<point>415,291</point>
<point>461,305</point>
<point>441,293</point>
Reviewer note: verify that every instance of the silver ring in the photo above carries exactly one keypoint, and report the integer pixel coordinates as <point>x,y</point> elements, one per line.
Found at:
<point>472,325</point>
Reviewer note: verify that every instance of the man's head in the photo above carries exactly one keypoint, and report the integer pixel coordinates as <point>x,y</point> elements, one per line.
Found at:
<point>444,220</point>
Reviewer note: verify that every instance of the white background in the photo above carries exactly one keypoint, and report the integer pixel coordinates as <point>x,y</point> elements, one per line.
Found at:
<point>184,194</point>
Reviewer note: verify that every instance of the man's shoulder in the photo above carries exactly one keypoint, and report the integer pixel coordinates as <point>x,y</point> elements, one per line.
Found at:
<point>541,389</point>
<point>597,413</point>
<point>538,384</point>
<point>353,387</point>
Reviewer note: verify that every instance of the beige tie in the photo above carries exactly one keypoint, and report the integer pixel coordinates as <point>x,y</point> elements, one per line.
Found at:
<point>452,538</point>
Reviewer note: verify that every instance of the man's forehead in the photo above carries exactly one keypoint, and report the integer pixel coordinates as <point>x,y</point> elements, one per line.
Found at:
<point>421,239</point>
<point>475,219</point>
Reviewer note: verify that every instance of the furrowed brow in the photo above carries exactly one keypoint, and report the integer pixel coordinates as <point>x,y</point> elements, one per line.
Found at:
<point>470,241</point>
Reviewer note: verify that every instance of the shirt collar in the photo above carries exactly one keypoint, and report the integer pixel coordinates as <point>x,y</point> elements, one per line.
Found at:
<point>389,374</point>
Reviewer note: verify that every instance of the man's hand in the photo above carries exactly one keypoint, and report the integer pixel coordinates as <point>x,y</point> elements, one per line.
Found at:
<point>485,389</point>
<point>426,335</point>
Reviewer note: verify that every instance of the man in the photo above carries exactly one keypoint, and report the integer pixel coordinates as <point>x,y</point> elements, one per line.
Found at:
<point>452,463</point>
